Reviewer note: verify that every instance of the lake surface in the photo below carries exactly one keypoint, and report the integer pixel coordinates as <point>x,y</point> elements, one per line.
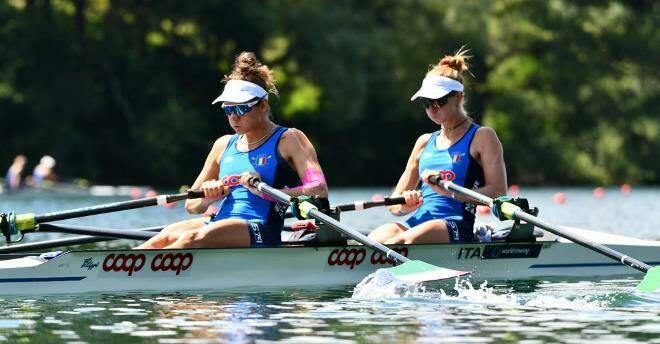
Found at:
<point>539,311</point>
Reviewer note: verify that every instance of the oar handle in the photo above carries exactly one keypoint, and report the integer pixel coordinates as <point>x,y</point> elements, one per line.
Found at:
<point>362,205</point>
<point>449,186</point>
<point>281,197</point>
<point>514,212</point>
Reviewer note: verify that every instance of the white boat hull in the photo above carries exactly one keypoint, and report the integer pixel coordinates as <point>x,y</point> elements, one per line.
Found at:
<point>214,269</point>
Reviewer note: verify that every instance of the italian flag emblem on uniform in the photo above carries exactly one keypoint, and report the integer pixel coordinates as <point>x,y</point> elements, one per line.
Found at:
<point>260,160</point>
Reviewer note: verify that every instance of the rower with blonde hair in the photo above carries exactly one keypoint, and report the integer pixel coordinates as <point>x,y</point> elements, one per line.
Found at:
<point>461,151</point>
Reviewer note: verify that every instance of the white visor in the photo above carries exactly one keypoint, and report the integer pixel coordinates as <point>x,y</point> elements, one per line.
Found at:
<point>240,91</point>
<point>435,86</point>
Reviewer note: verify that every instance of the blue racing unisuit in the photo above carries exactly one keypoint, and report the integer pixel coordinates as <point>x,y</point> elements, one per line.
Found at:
<point>457,165</point>
<point>265,218</point>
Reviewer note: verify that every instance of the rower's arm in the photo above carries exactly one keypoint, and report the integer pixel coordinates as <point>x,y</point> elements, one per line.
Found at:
<point>209,172</point>
<point>296,148</point>
<point>489,153</point>
<point>410,177</point>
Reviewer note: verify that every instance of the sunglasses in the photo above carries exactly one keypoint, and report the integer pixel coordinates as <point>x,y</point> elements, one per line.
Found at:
<point>240,109</point>
<point>427,102</point>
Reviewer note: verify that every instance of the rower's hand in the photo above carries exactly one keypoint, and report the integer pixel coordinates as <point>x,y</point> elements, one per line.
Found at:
<point>413,201</point>
<point>214,190</point>
<point>426,174</point>
<point>245,178</point>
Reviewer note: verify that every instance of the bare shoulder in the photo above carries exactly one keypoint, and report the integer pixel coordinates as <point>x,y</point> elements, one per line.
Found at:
<point>221,143</point>
<point>293,137</point>
<point>422,141</point>
<point>294,133</point>
<point>486,134</point>
<point>219,147</point>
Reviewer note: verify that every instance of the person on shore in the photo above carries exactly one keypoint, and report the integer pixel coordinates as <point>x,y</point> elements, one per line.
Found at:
<point>14,176</point>
<point>279,156</point>
<point>461,151</point>
<point>44,171</point>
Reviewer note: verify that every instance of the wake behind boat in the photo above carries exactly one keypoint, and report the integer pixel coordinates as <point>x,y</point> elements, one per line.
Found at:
<point>314,263</point>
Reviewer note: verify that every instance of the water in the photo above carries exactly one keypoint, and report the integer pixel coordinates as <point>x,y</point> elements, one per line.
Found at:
<point>538,311</point>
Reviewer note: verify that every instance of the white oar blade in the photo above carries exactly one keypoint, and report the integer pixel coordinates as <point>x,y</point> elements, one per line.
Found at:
<point>417,271</point>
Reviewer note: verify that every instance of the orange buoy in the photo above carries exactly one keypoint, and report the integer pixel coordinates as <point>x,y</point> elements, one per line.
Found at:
<point>514,190</point>
<point>599,192</point>
<point>625,189</point>
<point>559,198</point>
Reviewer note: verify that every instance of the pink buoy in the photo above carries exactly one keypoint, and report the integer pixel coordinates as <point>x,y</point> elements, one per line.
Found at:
<point>483,210</point>
<point>136,192</point>
<point>599,192</point>
<point>377,197</point>
<point>514,190</point>
<point>625,189</point>
<point>559,198</point>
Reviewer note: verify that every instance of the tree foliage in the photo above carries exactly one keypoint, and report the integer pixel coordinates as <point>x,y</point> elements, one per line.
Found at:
<point>120,91</point>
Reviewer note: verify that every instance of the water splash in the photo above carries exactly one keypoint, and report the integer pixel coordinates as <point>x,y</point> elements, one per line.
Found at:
<point>382,284</point>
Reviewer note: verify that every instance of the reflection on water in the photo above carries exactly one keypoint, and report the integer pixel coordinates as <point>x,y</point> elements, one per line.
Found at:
<point>594,311</point>
<point>534,311</point>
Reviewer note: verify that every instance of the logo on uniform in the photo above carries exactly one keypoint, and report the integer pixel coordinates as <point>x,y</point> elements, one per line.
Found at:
<point>457,157</point>
<point>260,160</point>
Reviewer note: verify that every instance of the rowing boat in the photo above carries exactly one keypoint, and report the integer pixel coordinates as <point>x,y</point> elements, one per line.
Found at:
<point>312,264</point>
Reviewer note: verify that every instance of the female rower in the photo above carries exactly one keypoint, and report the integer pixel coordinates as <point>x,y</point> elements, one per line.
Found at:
<point>461,151</point>
<point>278,156</point>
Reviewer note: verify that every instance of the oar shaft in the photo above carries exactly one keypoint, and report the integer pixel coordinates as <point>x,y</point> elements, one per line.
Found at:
<point>519,214</point>
<point>79,240</point>
<point>117,206</point>
<point>357,236</point>
<point>106,232</point>
<point>616,255</point>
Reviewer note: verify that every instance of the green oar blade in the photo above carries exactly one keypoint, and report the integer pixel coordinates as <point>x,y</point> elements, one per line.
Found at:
<point>651,281</point>
<point>417,271</point>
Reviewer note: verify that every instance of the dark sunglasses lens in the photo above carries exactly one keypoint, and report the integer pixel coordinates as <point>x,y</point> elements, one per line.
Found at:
<point>426,103</point>
<point>238,110</point>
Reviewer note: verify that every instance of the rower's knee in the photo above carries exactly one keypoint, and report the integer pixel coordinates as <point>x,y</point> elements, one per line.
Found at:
<point>188,239</point>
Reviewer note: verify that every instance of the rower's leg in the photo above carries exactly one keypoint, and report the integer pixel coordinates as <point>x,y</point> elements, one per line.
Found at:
<point>171,233</point>
<point>429,232</point>
<point>222,233</point>
<point>387,231</point>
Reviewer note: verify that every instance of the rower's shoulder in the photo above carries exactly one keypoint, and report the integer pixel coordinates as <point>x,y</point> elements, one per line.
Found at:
<point>221,143</point>
<point>294,135</point>
<point>485,133</point>
<point>422,140</point>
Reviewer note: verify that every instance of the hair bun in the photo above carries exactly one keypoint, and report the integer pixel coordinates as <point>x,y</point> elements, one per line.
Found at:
<point>455,62</point>
<point>452,66</point>
<point>247,67</point>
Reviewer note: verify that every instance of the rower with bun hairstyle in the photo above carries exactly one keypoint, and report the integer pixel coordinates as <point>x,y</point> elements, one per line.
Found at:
<point>461,151</point>
<point>279,156</point>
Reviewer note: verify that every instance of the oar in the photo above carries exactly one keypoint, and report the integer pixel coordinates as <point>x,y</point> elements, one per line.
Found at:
<point>651,281</point>
<point>12,223</point>
<point>414,271</point>
<point>79,240</point>
<point>362,205</point>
